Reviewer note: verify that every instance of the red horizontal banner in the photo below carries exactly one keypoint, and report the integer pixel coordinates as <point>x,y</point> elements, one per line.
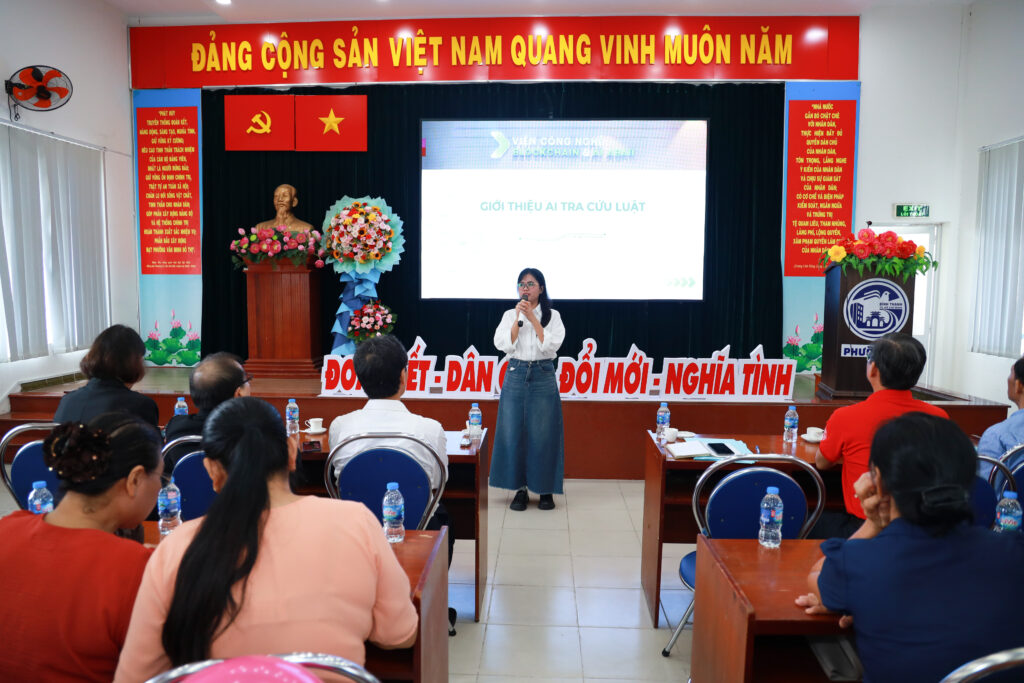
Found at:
<point>263,122</point>
<point>496,49</point>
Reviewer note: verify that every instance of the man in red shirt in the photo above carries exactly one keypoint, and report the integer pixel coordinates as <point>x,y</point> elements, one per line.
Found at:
<point>894,365</point>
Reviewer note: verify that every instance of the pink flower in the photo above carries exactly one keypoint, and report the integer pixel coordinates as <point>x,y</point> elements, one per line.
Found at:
<point>172,313</point>
<point>154,336</point>
<point>189,325</point>
<point>321,253</point>
<point>192,336</point>
<point>263,246</point>
<point>866,235</point>
<point>301,247</point>
<point>319,263</point>
<point>817,327</point>
<point>175,324</point>
<point>156,324</point>
<point>316,235</point>
<point>241,231</point>
<point>254,248</point>
<point>301,237</point>
<point>795,341</point>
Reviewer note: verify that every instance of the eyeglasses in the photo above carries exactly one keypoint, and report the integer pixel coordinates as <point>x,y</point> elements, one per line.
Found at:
<point>527,285</point>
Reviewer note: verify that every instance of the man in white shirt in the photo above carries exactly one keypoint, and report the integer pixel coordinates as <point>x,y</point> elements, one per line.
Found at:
<point>382,366</point>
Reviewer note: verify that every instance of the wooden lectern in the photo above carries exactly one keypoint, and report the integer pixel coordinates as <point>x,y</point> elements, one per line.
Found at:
<point>858,310</point>
<point>283,302</point>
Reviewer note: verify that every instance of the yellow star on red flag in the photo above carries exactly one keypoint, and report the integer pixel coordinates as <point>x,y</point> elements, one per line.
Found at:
<point>331,122</point>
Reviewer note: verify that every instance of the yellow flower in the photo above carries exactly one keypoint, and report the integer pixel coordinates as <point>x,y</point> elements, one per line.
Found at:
<point>837,253</point>
<point>920,250</point>
<point>898,239</point>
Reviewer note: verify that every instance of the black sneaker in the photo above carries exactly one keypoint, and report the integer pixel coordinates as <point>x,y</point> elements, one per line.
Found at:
<point>519,502</point>
<point>547,502</point>
<point>452,616</point>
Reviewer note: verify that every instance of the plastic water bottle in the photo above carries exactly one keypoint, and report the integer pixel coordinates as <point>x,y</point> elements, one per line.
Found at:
<point>1008,513</point>
<point>181,408</point>
<point>168,506</point>
<point>791,427</point>
<point>663,417</point>
<point>291,417</point>
<point>770,535</point>
<point>394,514</point>
<point>40,500</point>
<point>476,421</point>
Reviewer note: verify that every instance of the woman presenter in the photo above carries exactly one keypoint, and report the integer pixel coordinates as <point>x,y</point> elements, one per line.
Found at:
<point>528,444</point>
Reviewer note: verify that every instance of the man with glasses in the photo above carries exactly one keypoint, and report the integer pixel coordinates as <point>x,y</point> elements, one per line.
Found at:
<point>894,365</point>
<point>217,378</point>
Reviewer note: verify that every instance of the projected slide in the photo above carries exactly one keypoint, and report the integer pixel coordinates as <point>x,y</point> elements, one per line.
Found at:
<point>606,209</point>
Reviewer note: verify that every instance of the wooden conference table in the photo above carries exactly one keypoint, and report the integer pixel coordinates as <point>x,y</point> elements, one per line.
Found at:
<point>424,557</point>
<point>668,499</point>
<point>465,496</point>
<point>746,625</point>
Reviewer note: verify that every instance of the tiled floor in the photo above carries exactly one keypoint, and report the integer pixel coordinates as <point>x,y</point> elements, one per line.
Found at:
<point>564,600</point>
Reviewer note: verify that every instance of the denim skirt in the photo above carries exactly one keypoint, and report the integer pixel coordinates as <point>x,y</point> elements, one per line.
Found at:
<point>528,437</point>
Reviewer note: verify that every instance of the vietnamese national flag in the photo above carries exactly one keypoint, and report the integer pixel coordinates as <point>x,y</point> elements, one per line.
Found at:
<point>259,122</point>
<point>330,123</point>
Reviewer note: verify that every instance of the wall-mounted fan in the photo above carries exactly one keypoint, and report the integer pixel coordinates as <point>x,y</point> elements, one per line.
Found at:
<point>40,88</point>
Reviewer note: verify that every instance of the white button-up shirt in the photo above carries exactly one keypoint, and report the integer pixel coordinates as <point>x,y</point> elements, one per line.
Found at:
<point>389,415</point>
<point>527,346</point>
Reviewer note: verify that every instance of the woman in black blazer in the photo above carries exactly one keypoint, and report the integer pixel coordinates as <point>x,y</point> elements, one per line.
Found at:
<point>113,364</point>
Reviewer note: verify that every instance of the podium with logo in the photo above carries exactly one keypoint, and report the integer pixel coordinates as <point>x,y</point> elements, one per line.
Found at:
<point>858,310</point>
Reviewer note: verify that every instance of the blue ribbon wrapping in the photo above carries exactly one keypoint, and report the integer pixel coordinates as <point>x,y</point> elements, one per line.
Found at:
<point>359,289</point>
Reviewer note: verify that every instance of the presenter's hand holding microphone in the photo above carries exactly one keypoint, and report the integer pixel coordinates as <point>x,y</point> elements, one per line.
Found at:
<point>522,308</point>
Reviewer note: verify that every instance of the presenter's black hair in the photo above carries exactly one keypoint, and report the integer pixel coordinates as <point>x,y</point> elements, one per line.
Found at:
<point>116,353</point>
<point>543,300</point>
<point>900,360</point>
<point>246,436</point>
<point>90,458</point>
<point>215,380</point>
<point>927,464</point>
<point>1018,369</point>
<point>379,362</point>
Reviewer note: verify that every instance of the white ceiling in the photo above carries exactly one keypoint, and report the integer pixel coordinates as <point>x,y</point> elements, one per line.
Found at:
<point>251,11</point>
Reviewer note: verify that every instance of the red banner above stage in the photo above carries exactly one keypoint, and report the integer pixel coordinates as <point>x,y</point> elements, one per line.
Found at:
<point>496,49</point>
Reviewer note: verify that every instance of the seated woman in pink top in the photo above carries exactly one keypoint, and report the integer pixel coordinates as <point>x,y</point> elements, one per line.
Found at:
<point>265,571</point>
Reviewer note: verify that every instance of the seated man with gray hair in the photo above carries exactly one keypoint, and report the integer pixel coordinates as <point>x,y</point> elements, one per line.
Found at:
<point>218,377</point>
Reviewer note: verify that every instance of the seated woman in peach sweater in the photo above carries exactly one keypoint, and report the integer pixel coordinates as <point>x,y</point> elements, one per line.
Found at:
<point>265,571</point>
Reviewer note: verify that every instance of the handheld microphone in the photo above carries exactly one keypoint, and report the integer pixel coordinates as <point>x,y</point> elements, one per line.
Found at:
<point>524,297</point>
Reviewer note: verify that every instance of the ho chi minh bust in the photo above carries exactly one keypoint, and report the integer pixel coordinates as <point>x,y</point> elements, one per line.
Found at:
<point>285,199</point>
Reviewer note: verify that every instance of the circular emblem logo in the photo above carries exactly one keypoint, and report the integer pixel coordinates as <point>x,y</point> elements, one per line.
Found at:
<point>875,307</point>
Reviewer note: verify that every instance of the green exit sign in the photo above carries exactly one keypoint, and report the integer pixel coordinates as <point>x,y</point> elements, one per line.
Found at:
<point>911,210</point>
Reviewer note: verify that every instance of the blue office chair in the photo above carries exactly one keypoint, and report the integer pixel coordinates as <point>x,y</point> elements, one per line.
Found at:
<point>28,466</point>
<point>983,495</point>
<point>1013,458</point>
<point>733,510</point>
<point>191,478</point>
<point>364,478</point>
<point>985,666</point>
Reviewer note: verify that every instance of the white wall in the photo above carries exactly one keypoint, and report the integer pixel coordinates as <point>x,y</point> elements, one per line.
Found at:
<point>89,41</point>
<point>937,83</point>
<point>991,110</point>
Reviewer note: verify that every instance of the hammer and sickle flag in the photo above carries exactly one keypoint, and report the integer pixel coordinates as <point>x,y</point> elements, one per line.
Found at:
<point>259,122</point>
<point>330,123</point>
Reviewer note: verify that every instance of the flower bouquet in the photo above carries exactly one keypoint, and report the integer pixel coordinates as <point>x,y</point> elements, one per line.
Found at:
<point>362,235</point>
<point>371,320</point>
<point>882,254</point>
<point>261,244</point>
